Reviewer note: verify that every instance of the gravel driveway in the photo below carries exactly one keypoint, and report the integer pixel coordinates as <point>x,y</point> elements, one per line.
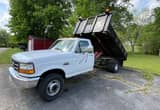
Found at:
<point>99,90</point>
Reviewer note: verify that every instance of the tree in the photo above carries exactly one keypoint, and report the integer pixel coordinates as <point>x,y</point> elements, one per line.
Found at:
<point>157,19</point>
<point>151,35</point>
<point>133,31</point>
<point>87,8</point>
<point>3,38</point>
<point>132,34</point>
<point>33,16</point>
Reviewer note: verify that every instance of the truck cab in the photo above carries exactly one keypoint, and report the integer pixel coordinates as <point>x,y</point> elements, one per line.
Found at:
<point>47,69</point>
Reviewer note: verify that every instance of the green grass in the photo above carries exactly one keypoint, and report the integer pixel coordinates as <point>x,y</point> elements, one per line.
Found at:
<point>149,64</point>
<point>5,57</point>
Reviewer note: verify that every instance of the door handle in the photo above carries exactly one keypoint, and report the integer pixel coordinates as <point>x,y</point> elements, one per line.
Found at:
<point>66,63</point>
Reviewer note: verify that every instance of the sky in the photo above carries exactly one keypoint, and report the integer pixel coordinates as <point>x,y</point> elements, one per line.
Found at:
<point>4,13</point>
<point>145,4</point>
<point>139,5</point>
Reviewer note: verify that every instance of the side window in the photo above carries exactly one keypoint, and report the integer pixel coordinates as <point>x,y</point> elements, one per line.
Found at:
<point>82,45</point>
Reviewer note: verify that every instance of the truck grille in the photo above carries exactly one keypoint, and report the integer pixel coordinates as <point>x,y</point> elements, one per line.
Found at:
<point>15,65</point>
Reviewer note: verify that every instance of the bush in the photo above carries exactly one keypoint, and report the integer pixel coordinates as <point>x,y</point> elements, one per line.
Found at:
<point>152,46</point>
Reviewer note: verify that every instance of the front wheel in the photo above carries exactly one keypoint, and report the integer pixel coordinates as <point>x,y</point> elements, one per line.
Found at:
<point>51,86</point>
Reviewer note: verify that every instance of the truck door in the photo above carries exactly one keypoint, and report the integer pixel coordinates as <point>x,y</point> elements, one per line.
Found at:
<point>84,57</point>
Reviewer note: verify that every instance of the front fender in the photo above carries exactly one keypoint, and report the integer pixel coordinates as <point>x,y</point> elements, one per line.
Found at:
<point>51,68</point>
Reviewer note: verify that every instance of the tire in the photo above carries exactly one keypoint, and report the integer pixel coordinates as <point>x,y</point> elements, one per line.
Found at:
<point>113,66</point>
<point>51,86</point>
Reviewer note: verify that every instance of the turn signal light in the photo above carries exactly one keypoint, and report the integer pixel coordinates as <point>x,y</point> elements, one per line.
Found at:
<point>26,71</point>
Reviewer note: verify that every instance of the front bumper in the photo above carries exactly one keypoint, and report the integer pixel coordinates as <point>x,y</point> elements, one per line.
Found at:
<point>22,82</point>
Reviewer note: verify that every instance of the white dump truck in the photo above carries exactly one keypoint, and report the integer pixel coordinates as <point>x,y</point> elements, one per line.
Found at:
<point>95,43</point>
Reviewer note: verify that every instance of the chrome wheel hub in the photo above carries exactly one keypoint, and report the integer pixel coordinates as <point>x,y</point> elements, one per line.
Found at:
<point>116,67</point>
<point>53,87</point>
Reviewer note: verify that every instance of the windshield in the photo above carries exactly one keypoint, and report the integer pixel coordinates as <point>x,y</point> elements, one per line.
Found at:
<point>63,45</point>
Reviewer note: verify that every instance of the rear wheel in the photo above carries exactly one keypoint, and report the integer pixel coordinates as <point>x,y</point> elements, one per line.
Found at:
<point>51,86</point>
<point>113,66</point>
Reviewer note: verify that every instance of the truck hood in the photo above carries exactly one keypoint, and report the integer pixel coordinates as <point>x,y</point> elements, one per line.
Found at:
<point>33,55</point>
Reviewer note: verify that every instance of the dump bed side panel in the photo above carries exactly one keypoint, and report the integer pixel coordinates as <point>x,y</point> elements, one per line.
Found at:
<point>103,37</point>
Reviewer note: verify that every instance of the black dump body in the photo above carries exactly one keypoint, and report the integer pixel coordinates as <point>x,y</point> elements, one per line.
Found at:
<point>103,37</point>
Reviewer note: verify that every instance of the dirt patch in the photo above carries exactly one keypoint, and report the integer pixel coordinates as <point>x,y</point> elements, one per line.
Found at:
<point>145,88</point>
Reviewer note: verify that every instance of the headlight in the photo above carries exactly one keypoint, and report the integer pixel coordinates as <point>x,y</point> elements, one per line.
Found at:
<point>27,68</point>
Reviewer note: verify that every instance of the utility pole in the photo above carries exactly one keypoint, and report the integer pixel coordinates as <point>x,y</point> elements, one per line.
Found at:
<point>46,32</point>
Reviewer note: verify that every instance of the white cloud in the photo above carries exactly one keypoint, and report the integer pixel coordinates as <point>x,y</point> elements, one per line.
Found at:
<point>149,4</point>
<point>135,2</point>
<point>4,14</point>
<point>140,5</point>
<point>153,4</point>
<point>4,18</point>
<point>4,2</point>
<point>134,6</point>
<point>4,21</point>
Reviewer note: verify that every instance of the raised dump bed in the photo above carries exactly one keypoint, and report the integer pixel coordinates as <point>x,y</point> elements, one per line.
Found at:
<point>103,37</point>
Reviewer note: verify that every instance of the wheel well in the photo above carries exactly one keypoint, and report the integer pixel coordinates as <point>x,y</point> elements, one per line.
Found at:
<point>57,71</point>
